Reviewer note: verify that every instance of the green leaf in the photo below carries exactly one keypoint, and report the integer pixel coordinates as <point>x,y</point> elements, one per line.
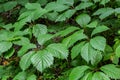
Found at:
<point>42,38</point>
<point>5,46</point>
<point>66,31</point>
<point>42,60</point>
<point>76,50</point>
<point>115,59</point>
<point>111,71</point>
<point>108,53</point>
<point>32,77</point>
<point>20,76</point>
<point>24,17</point>
<point>102,11</point>
<point>117,43</point>
<point>96,57</point>
<point>95,1</point>
<point>9,53</point>
<point>38,13</point>
<point>27,17</point>
<point>66,2</point>
<point>78,72</point>
<point>83,5</point>
<point>25,48</point>
<point>16,35</point>
<point>85,52</point>
<point>103,2</point>
<point>39,29</point>
<point>22,41</point>
<point>8,26</point>
<point>53,6</point>
<point>117,51</point>
<point>90,54</point>
<point>88,76</point>
<point>117,10</point>
<point>58,50</point>
<point>66,15</point>
<point>52,16</point>
<point>69,41</point>
<point>19,25</point>
<point>83,19</point>
<point>42,2</point>
<point>93,24</point>
<point>106,14</point>
<point>98,43</point>
<point>99,29</point>
<point>100,76</point>
<point>9,5</point>
<point>5,35</point>
<point>22,2</point>
<point>32,6</point>
<point>25,61</point>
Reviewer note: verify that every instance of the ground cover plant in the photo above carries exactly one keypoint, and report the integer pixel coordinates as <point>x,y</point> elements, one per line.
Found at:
<point>59,39</point>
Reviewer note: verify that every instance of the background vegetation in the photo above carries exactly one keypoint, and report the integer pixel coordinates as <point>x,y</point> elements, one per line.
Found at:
<point>59,39</point>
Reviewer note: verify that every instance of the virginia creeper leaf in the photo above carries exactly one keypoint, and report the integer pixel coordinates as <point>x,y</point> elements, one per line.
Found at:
<point>99,29</point>
<point>58,50</point>
<point>5,46</point>
<point>42,60</point>
<point>83,19</point>
<point>78,72</point>
<point>26,60</point>
<point>111,71</point>
<point>98,42</point>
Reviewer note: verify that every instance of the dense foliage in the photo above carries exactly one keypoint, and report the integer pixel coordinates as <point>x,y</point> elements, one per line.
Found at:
<point>59,39</point>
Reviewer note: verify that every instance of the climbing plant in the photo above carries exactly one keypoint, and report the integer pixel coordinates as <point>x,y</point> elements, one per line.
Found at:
<point>59,39</point>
